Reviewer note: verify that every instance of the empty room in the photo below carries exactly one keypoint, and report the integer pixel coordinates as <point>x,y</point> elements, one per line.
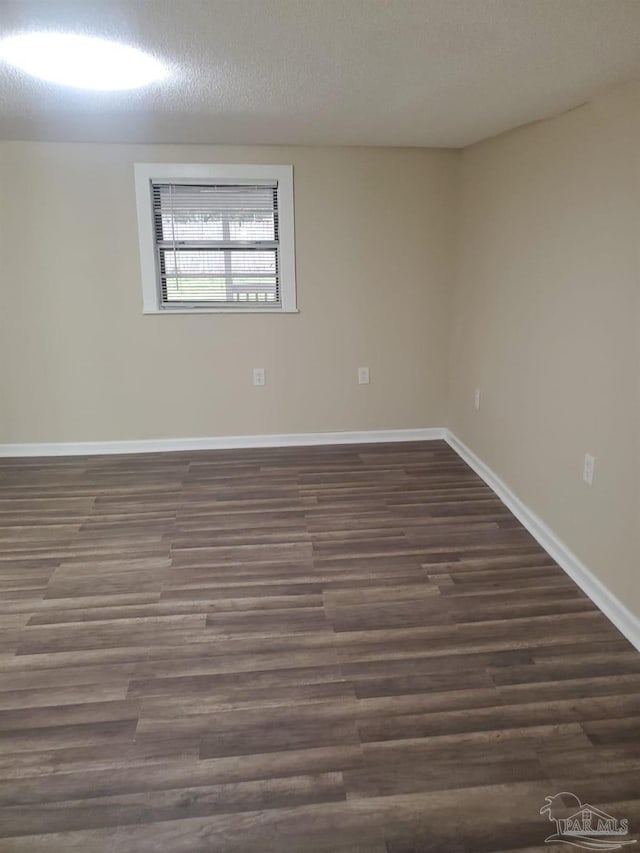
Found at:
<point>319,426</point>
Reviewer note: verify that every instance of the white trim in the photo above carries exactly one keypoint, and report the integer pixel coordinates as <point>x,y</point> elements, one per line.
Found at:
<point>222,442</point>
<point>624,620</point>
<point>240,173</point>
<point>195,312</point>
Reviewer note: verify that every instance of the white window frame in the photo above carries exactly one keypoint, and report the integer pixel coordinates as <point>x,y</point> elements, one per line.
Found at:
<point>147,174</point>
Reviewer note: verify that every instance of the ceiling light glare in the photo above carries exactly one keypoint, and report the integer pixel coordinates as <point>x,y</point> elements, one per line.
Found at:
<point>84,62</point>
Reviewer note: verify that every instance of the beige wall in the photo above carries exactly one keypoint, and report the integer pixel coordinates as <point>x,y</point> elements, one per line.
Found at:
<point>374,231</point>
<point>547,324</point>
<point>538,228</point>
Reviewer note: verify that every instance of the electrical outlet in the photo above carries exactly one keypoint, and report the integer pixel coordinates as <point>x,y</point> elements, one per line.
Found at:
<point>259,376</point>
<point>588,469</point>
<point>363,376</point>
<point>476,400</point>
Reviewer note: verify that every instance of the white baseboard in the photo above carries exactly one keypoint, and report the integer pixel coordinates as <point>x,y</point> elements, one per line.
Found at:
<point>222,442</point>
<point>624,620</point>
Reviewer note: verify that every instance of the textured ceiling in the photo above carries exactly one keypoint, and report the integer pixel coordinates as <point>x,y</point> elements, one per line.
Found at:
<point>355,72</point>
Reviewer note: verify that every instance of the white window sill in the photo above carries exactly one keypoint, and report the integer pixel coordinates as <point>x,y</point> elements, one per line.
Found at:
<point>197,311</point>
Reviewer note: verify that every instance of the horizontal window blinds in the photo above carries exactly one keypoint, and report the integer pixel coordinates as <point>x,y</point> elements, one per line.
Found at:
<point>217,245</point>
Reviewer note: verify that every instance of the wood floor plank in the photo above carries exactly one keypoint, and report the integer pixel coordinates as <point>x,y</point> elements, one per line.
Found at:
<point>349,649</point>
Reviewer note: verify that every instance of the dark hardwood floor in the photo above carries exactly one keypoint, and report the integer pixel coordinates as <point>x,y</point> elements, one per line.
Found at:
<point>341,649</point>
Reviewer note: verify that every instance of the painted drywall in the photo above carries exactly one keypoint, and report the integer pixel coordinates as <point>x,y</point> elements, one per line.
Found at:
<point>517,257</point>
<point>547,324</point>
<point>374,232</point>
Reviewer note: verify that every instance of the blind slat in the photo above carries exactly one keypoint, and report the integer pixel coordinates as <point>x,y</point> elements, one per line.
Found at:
<point>215,245</point>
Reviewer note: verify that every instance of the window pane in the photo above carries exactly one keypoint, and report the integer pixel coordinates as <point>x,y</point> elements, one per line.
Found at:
<point>252,227</point>
<point>219,275</point>
<point>194,226</point>
<point>227,213</point>
<point>190,263</point>
<point>254,263</point>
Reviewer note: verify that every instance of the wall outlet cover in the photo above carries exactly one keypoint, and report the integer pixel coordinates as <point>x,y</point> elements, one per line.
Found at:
<point>363,375</point>
<point>588,468</point>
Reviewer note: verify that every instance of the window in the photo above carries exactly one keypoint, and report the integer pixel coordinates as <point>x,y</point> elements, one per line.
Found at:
<point>216,237</point>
